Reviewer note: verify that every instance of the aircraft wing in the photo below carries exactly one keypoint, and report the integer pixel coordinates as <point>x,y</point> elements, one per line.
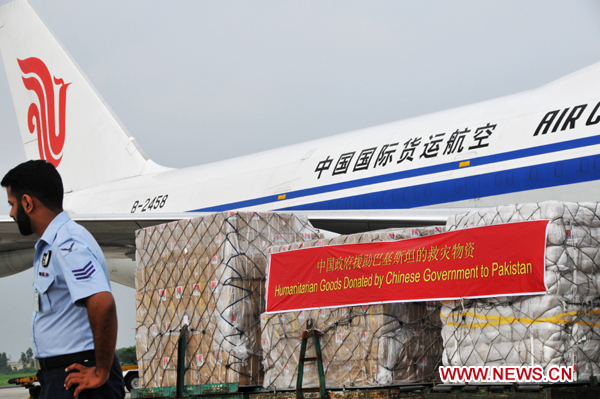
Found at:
<point>116,233</point>
<point>354,221</point>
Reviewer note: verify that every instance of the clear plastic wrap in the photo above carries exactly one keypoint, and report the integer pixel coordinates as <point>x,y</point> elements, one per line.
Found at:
<point>362,346</point>
<point>208,272</point>
<point>560,328</point>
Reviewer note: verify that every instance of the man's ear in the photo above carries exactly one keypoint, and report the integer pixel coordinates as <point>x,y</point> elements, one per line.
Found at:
<point>27,203</point>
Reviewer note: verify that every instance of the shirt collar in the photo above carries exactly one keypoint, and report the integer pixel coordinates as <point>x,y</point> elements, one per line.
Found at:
<point>56,223</point>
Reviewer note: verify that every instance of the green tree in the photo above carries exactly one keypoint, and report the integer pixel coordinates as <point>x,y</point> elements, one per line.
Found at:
<point>127,355</point>
<point>4,362</point>
<point>23,359</point>
<point>29,354</point>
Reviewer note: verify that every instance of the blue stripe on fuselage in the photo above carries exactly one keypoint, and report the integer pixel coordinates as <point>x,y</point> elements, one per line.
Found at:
<point>478,186</point>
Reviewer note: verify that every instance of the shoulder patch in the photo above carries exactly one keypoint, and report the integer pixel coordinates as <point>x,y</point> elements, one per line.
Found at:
<point>67,248</point>
<point>84,273</point>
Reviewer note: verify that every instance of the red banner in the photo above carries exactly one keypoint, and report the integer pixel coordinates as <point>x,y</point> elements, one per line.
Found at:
<point>500,260</point>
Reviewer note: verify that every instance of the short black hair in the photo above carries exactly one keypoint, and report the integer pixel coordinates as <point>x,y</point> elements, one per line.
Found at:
<point>37,178</point>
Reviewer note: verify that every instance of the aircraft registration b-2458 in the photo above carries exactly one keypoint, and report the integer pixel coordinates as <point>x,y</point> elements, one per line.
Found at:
<point>534,146</point>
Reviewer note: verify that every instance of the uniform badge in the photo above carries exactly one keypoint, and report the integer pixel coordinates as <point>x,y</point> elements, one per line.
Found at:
<point>70,249</point>
<point>46,258</point>
<point>36,298</point>
<point>84,273</point>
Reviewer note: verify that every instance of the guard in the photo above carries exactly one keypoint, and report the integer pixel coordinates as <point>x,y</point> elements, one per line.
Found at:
<point>74,324</point>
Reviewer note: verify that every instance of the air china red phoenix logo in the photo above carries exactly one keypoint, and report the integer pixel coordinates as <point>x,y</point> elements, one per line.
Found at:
<point>42,117</point>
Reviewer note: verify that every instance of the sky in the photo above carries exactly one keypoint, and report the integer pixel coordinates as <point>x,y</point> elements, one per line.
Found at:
<point>201,81</point>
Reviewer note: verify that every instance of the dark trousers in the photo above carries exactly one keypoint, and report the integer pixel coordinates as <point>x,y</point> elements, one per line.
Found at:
<point>53,384</point>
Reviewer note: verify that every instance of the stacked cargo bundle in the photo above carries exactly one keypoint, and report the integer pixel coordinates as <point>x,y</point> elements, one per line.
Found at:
<point>560,328</point>
<point>208,273</point>
<point>362,345</point>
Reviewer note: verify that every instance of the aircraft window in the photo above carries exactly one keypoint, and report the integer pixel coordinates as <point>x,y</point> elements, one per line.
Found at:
<point>457,187</point>
<point>510,178</point>
<point>498,179</point>
<point>558,170</point>
<point>533,173</point>
<point>585,166</point>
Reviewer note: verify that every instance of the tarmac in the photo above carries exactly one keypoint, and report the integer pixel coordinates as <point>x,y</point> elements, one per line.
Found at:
<point>16,392</point>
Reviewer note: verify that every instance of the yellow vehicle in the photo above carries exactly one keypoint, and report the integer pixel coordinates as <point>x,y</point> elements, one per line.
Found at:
<point>29,383</point>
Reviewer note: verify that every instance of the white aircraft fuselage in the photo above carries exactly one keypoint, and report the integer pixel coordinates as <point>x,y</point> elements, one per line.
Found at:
<point>528,147</point>
<point>543,144</point>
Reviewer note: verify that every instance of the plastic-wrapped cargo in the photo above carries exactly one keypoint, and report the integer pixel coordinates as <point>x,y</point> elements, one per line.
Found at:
<point>560,328</point>
<point>207,272</point>
<point>361,346</point>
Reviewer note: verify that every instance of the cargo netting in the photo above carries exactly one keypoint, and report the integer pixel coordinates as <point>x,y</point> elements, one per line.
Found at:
<point>361,346</point>
<point>209,273</point>
<point>560,328</point>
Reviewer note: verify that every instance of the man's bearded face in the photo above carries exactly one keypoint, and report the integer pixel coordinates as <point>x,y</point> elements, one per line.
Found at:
<point>23,220</point>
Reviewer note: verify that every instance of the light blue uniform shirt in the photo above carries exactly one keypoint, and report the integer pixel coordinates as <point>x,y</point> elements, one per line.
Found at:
<point>69,266</point>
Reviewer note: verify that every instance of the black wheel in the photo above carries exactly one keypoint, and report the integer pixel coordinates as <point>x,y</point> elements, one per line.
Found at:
<point>132,381</point>
<point>34,391</point>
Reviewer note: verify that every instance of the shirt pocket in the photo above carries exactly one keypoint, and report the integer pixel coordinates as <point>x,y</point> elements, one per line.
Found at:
<point>41,286</point>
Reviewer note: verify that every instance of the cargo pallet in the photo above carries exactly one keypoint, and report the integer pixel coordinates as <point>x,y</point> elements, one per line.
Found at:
<point>577,390</point>
<point>423,391</point>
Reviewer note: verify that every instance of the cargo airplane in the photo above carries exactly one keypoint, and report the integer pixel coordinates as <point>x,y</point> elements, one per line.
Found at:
<point>533,146</point>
